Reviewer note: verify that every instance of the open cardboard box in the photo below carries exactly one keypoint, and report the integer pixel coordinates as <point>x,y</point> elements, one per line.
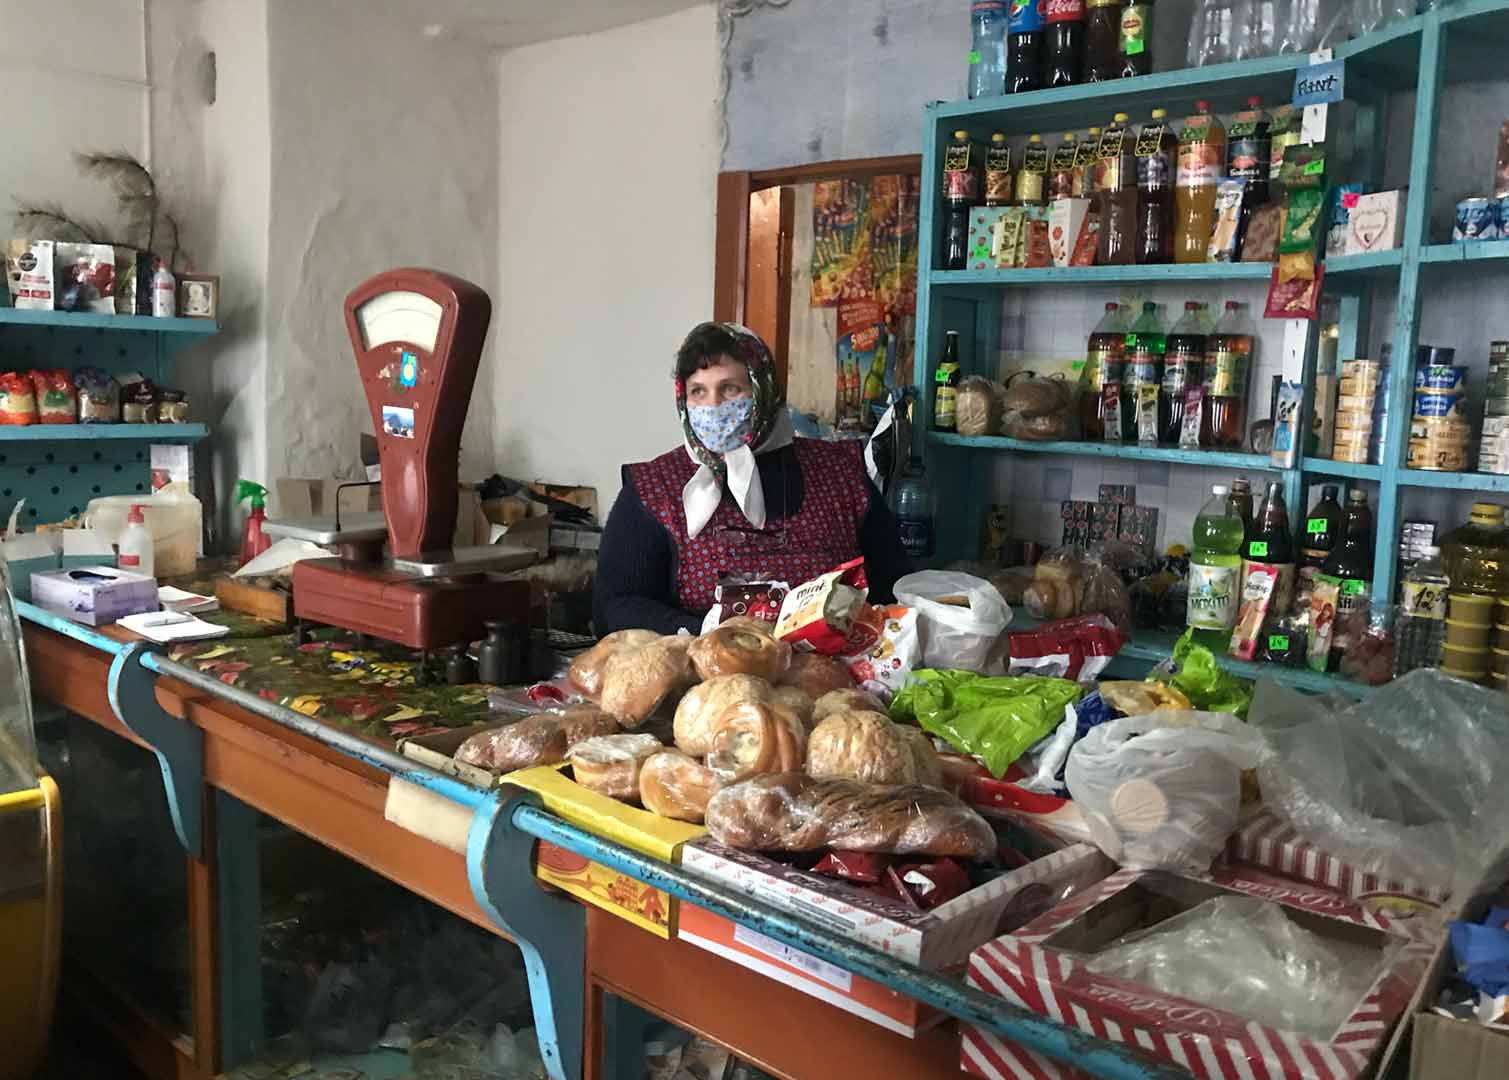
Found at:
<point>937,939</point>
<point>1039,968</point>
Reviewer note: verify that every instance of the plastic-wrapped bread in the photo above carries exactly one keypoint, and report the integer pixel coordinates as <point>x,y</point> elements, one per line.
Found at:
<point>797,812</point>
<point>637,681</point>
<point>706,702</point>
<point>676,786</point>
<point>541,739</point>
<point>816,675</point>
<point>586,671</point>
<point>610,764</point>
<point>756,738</point>
<point>845,701</point>
<point>861,746</point>
<point>800,705</point>
<point>734,650</point>
<point>924,756</point>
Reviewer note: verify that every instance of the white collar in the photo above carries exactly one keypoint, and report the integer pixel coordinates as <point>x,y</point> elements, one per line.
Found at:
<point>703,492</point>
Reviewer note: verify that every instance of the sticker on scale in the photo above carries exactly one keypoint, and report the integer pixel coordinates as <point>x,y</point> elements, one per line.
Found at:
<point>398,421</point>
<point>408,369</point>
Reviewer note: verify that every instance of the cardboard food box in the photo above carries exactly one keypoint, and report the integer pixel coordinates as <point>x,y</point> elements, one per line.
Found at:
<point>1375,223</point>
<point>1067,220</point>
<point>936,939</point>
<point>1271,843</point>
<point>29,274</point>
<point>95,595</point>
<point>85,277</point>
<point>1039,968</point>
<point>982,231</point>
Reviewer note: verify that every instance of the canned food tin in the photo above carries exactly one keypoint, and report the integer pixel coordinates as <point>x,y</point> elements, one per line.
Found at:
<point>1441,377</point>
<point>1437,456</point>
<point>1359,421</point>
<point>1496,427</point>
<point>1440,406</point>
<point>1355,403</point>
<point>1448,430</point>
<point>1477,219</point>
<point>1368,369</point>
<point>1353,387</point>
<point>1429,355</point>
<point>1356,453</point>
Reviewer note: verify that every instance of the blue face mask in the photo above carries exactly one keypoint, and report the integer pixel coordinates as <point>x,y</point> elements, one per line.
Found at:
<point>723,427</point>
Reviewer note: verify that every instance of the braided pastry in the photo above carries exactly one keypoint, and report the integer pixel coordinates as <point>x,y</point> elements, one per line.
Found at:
<point>733,650</point>
<point>750,739</point>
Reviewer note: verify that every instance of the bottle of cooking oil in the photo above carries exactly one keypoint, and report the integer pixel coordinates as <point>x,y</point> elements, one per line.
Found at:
<point>1476,555</point>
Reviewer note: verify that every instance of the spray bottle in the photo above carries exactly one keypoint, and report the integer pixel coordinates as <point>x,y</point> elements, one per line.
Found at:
<point>253,540</point>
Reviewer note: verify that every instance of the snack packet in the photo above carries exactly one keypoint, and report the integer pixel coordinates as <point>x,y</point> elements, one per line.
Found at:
<point>18,398</point>
<point>734,597</point>
<point>57,401</point>
<point>818,615</point>
<point>1226,237</point>
<point>882,665</point>
<point>1324,599</point>
<point>1077,648</point>
<point>1257,596</point>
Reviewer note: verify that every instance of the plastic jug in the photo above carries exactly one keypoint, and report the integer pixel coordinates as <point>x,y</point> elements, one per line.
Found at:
<point>173,516</point>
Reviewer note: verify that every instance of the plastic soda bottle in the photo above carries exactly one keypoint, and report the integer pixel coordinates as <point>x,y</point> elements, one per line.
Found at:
<point>1214,569</point>
<point>1202,163</point>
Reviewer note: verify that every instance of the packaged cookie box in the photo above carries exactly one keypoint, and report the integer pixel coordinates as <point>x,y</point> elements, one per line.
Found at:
<point>937,939</point>
<point>1273,844</point>
<point>1039,968</point>
<point>647,833</point>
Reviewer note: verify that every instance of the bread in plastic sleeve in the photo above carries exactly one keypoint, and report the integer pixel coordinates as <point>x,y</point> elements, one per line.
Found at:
<point>797,812</point>
<point>705,703</point>
<point>924,755</point>
<point>750,623</point>
<point>610,764</point>
<point>849,700</point>
<point>756,738</point>
<point>674,785</point>
<point>734,650</point>
<point>861,746</point>
<point>797,701</point>
<point>541,739</point>
<point>636,681</point>
<point>977,408</point>
<point>815,674</point>
<point>586,671</point>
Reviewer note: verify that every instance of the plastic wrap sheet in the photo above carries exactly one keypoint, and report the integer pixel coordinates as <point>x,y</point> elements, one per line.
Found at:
<point>993,718</point>
<point>960,616</point>
<point>1407,784</point>
<point>1245,955</point>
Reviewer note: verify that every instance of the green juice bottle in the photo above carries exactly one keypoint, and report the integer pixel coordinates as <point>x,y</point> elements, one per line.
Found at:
<point>1215,568</point>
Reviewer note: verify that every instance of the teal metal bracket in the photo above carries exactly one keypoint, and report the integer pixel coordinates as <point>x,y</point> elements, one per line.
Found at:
<point>550,929</point>
<point>178,744</point>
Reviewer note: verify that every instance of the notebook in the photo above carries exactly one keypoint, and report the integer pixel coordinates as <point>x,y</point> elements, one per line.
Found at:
<point>168,626</point>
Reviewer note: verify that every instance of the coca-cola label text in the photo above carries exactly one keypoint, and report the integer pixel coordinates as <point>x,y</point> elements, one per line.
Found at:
<point>1056,11</point>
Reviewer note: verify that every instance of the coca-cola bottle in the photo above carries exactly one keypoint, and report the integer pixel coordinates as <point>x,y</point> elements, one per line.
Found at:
<point>1063,54</point>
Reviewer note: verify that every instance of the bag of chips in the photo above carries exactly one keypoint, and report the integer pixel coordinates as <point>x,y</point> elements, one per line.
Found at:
<point>57,401</point>
<point>18,398</point>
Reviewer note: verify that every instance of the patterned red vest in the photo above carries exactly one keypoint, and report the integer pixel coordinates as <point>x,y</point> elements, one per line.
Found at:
<point>821,535</point>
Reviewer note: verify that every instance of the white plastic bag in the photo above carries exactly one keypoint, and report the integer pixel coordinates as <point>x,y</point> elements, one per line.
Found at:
<point>1162,791</point>
<point>961,617</point>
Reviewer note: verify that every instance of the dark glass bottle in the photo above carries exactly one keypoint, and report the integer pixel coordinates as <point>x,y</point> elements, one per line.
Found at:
<point>1322,529</point>
<point>1064,47</point>
<point>1350,567</point>
<point>1270,543</point>
<point>1103,41</point>
<point>1155,148</point>
<point>1183,367</point>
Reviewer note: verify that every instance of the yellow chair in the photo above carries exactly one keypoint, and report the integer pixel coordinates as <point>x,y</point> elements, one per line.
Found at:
<point>31,923</point>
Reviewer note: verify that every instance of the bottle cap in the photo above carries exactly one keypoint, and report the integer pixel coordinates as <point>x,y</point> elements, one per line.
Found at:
<point>997,137</point>
<point>1148,307</point>
<point>1034,138</point>
<point>1191,305</point>
<point>1121,118</point>
<point>1068,136</point>
<point>961,134</point>
<point>1486,513</point>
<point>1159,114</point>
<point>1232,305</point>
<point>1095,131</point>
<point>1112,305</point>
<point>1219,489</point>
<point>1202,106</point>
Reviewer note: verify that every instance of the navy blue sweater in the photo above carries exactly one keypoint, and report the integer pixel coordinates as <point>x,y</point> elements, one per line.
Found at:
<point>636,567</point>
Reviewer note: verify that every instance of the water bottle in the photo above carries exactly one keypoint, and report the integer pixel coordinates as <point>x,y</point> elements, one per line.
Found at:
<point>1213,36</point>
<point>987,48</point>
<point>1420,628</point>
<point>912,503</point>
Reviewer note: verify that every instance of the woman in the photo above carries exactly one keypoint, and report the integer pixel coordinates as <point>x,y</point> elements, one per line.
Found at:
<point>741,497</point>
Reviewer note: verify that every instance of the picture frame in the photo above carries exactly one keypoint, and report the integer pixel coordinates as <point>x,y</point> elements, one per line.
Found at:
<point>199,296</point>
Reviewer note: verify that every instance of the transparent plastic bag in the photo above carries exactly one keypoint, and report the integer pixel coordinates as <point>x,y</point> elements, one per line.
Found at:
<point>1244,954</point>
<point>1162,791</point>
<point>1038,409</point>
<point>960,617</point>
<point>676,786</point>
<point>1406,784</point>
<point>978,406</point>
<point>541,739</point>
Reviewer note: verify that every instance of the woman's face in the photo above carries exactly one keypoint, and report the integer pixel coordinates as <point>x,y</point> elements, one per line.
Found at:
<point>723,380</point>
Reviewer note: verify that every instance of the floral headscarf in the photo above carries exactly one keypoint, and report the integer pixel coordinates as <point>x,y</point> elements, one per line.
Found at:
<point>754,354</point>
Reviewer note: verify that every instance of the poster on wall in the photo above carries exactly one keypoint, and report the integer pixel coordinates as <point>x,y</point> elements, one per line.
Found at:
<point>840,242</point>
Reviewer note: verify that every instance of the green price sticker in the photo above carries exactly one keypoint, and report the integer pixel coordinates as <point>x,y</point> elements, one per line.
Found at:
<point>1278,642</point>
<point>1316,167</point>
<point>974,58</point>
<point>1353,588</point>
<point>1135,46</point>
<point>1258,549</point>
<point>1316,525</point>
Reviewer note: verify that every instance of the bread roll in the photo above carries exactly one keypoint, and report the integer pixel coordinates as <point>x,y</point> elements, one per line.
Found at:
<point>676,786</point>
<point>845,701</point>
<point>733,650</point>
<point>924,755</point>
<point>750,739</point>
<point>861,746</point>
<point>586,671</point>
<point>747,622</point>
<point>708,701</point>
<point>637,681</point>
<point>792,698</point>
<point>541,739</point>
<point>816,675</point>
<point>797,812</point>
<point>610,764</point>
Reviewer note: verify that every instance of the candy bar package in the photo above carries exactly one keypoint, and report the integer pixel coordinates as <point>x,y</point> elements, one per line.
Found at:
<point>1257,597</point>
<point>734,598</point>
<point>819,615</point>
<point>1226,237</point>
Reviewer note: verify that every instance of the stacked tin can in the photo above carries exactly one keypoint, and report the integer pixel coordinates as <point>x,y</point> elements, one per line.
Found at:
<point>1360,393</point>
<point>1439,432</point>
<point>1493,454</point>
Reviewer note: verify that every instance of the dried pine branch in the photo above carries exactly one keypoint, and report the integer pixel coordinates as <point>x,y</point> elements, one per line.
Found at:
<point>135,190</point>
<point>48,221</point>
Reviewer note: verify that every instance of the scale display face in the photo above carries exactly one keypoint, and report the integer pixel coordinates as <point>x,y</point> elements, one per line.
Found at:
<point>418,338</point>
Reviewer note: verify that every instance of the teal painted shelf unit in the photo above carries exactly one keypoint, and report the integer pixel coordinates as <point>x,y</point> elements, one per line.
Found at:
<point>58,468</point>
<point>1460,42</point>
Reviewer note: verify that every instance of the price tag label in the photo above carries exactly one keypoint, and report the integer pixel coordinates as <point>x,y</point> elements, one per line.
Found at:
<point>1278,642</point>
<point>1320,84</point>
<point>1353,587</point>
<point>1258,549</point>
<point>1316,525</point>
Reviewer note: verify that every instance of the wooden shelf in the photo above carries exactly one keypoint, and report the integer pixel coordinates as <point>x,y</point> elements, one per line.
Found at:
<point>1351,470</point>
<point>1465,251</point>
<point>84,320</point>
<point>91,432</point>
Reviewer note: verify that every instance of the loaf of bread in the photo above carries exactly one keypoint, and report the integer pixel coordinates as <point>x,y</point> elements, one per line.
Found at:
<point>706,702</point>
<point>861,746</point>
<point>586,671</point>
<point>797,812</point>
<point>800,705</point>
<point>733,650</point>
<point>610,764</point>
<point>816,675</point>
<point>845,701</point>
<point>676,786</point>
<point>541,739</point>
<point>750,739</point>
<point>636,681</point>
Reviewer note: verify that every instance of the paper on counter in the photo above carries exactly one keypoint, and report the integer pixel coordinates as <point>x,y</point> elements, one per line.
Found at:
<point>280,556</point>
<point>168,626</point>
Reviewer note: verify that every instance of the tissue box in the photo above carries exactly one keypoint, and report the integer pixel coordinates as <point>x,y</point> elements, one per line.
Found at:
<point>95,595</point>
<point>1375,222</point>
<point>1066,221</point>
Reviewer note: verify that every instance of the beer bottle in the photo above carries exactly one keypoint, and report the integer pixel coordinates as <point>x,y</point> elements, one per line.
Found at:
<point>1270,543</point>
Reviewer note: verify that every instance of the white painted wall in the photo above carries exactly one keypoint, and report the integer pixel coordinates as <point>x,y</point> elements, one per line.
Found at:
<point>607,170</point>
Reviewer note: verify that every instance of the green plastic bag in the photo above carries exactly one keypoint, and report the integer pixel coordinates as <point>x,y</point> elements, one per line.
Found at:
<point>1208,687</point>
<point>995,718</point>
